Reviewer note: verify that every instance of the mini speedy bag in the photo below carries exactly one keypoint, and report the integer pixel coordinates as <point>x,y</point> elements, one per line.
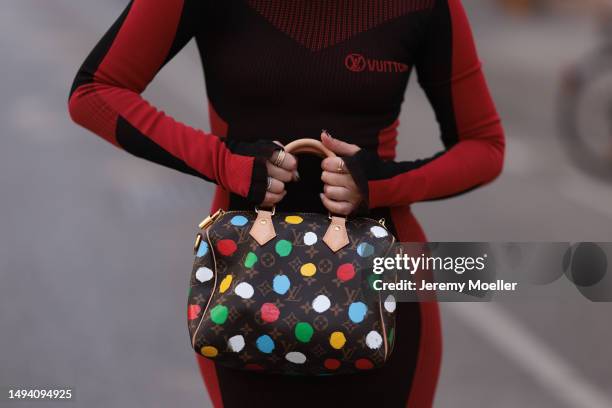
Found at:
<point>291,293</point>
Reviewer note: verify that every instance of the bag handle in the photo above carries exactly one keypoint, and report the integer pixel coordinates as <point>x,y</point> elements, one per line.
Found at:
<point>312,146</point>
<point>336,236</point>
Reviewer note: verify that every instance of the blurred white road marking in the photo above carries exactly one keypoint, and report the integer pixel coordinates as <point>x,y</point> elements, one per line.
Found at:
<point>588,192</point>
<point>515,341</point>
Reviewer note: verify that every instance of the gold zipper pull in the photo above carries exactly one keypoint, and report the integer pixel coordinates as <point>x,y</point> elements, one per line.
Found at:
<point>211,218</point>
<point>382,222</point>
<point>196,245</point>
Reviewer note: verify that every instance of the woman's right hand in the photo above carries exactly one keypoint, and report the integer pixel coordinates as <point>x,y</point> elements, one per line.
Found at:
<point>282,168</point>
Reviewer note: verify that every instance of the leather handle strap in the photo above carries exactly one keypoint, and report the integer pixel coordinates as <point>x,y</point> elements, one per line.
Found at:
<point>336,236</point>
<point>312,146</point>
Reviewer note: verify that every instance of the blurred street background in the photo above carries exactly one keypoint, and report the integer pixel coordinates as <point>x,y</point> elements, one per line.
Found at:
<point>96,245</point>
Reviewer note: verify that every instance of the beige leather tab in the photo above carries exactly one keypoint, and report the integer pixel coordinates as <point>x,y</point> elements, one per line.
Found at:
<point>336,236</point>
<point>263,229</point>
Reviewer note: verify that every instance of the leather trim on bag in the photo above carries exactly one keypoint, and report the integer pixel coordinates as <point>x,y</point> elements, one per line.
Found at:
<point>212,292</point>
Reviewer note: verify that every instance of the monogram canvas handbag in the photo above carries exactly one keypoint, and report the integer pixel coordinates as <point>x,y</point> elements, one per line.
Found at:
<point>290,292</point>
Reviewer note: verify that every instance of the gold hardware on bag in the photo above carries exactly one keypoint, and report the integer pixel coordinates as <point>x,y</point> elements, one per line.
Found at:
<point>382,222</point>
<point>273,211</point>
<point>211,218</point>
<point>198,241</point>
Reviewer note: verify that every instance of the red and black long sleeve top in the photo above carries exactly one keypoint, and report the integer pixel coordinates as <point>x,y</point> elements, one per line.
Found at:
<point>281,70</point>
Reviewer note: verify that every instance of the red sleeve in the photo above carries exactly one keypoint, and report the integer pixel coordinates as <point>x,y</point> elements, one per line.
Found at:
<point>105,98</point>
<point>450,72</point>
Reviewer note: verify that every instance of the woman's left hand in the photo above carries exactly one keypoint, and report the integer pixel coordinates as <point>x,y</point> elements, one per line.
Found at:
<point>340,193</point>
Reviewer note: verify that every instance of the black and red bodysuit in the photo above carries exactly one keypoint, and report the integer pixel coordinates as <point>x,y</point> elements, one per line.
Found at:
<point>285,69</point>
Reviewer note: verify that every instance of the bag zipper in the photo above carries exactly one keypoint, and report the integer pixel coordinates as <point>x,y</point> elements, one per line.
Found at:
<point>211,218</point>
<point>206,222</point>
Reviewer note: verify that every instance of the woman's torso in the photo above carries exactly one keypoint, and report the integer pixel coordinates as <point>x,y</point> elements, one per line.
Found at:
<point>284,70</point>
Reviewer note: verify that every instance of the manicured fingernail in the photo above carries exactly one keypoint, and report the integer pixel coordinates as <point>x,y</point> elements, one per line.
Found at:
<point>296,175</point>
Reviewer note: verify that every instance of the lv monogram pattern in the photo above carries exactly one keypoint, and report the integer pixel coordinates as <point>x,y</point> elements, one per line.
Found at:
<point>292,305</point>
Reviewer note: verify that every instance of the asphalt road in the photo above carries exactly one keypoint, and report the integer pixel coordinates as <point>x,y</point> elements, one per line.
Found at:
<point>95,245</point>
